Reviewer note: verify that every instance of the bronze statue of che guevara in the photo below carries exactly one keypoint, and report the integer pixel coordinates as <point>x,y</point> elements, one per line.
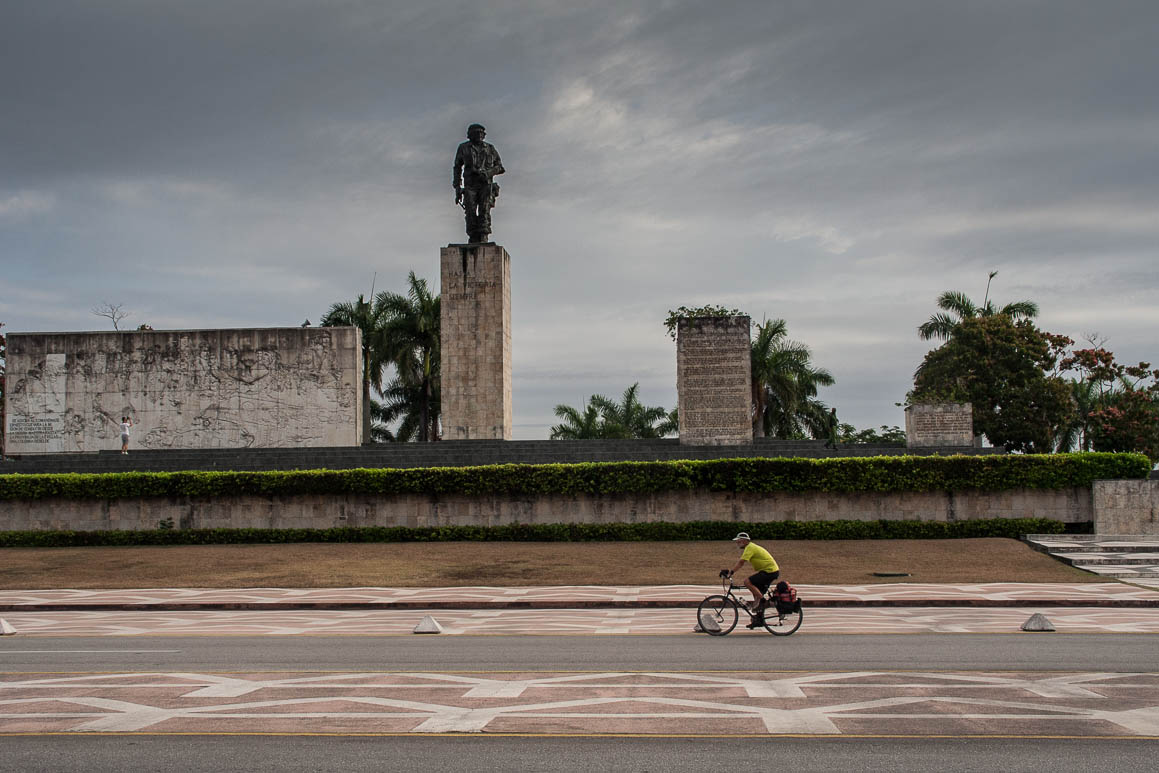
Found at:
<point>476,164</point>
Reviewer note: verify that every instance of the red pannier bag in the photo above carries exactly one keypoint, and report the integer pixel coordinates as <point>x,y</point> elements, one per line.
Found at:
<point>785,597</point>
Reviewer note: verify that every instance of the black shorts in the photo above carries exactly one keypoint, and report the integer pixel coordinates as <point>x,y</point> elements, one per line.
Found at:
<point>764,579</point>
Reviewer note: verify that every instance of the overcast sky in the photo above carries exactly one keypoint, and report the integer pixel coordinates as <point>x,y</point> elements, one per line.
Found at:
<point>244,163</point>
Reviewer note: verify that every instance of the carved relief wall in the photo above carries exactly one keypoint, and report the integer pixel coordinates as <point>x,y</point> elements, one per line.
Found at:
<point>245,388</point>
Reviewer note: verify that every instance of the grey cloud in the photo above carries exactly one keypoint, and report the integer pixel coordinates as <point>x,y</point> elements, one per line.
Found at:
<point>838,164</point>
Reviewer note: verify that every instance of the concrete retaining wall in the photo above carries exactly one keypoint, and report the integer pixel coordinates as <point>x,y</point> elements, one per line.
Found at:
<point>1126,507</point>
<point>318,511</point>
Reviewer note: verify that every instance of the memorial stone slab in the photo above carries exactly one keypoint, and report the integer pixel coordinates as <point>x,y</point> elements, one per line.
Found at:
<point>714,392</point>
<point>939,425</point>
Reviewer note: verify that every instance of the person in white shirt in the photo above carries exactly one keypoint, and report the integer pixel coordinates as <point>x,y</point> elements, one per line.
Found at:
<point>126,422</point>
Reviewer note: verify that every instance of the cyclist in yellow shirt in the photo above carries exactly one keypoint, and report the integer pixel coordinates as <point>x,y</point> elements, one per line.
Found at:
<point>765,564</point>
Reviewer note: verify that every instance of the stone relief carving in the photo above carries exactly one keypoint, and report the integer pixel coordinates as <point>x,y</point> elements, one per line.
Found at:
<point>194,389</point>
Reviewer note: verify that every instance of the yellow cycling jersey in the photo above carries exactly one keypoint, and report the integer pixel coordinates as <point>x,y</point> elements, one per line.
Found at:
<point>759,558</point>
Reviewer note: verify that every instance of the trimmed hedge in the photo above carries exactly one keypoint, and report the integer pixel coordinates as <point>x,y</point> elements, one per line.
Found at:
<point>556,532</point>
<point>748,475</point>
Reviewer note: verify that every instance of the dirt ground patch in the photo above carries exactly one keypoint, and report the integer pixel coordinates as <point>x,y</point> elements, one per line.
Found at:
<point>830,562</point>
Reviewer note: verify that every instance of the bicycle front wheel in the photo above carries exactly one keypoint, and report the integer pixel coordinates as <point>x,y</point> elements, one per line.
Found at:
<point>783,624</point>
<point>717,615</point>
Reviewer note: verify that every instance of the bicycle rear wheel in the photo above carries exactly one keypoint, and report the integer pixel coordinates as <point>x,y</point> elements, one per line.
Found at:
<point>783,624</point>
<point>717,615</point>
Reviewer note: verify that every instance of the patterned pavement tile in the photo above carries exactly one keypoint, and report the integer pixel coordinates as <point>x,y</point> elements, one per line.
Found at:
<point>563,622</point>
<point>658,596</point>
<point>661,703</point>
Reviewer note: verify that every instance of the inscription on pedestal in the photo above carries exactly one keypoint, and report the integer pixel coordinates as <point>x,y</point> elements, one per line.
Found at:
<point>939,424</point>
<point>713,381</point>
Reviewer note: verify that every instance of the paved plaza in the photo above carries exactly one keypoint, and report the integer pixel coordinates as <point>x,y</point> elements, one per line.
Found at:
<point>565,622</point>
<point>689,703</point>
<point>1113,594</point>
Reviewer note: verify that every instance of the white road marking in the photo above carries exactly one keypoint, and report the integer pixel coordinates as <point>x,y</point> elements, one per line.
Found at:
<point>794,703</point>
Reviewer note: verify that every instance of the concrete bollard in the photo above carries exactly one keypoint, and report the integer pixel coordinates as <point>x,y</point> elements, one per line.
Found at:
<point>428,625</point>
<point>1037,622</point>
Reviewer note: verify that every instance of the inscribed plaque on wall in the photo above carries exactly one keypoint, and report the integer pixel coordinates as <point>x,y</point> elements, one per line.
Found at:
<point>939,424</point>
<point>712,381</point>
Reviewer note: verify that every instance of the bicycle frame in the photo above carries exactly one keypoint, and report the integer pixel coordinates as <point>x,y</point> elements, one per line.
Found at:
<point>728,586</point>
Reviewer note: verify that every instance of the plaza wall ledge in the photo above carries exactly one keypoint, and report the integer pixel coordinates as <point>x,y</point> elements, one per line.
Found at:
<point>320,511</point>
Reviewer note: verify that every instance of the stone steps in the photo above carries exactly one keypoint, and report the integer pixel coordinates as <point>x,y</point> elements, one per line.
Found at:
<point>1109,559</point>
<point>1119,557</point>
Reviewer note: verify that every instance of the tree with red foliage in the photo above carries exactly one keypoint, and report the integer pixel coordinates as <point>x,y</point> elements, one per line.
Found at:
<point>1124,413</point>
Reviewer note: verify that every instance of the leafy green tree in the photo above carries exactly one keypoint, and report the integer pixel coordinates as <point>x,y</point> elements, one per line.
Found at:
<point>957,307</point>
<point>606,418</point>
<point>369,318</point>
<point>1007,370</point>
<point>785,384</point>
<point>409,339</point>
<point>884,435</point>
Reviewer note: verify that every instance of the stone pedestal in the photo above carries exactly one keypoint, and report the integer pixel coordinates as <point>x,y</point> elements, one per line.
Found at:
<point>476,342</point>
<point>713,382</point>
<point>939,424</point>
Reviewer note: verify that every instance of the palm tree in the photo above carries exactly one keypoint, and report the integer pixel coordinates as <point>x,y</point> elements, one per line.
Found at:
<point>957,306</point>
<point>603,417</point>
<point>409,339</point>
<point>785,384</point>
<point>576,425</point>
<point>379,431</point>
<point>630,418</point>
<point>1076,434</point>
<point>402,402</point>
<point>369,318</point>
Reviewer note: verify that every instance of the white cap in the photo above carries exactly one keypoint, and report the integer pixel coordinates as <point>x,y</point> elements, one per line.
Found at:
<point>742,535</point>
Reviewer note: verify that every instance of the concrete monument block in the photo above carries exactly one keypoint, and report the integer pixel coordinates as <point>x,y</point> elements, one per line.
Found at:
<point>713,383</point>
<point>939,424</point>
<point>255,388</point>
<point>476,342</point>
<point>1126,507</point>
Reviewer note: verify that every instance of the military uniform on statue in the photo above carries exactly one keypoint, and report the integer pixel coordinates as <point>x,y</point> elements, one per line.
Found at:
<point>476,165</point>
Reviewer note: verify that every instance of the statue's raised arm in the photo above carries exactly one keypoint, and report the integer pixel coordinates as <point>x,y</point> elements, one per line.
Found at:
<point>476,164</point>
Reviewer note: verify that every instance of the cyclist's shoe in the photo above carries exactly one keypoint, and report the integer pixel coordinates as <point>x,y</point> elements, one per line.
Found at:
<point>757,622</point>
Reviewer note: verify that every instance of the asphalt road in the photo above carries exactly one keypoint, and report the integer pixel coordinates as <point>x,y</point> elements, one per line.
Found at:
<point>1017,652</point>
<point>259,754</point>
